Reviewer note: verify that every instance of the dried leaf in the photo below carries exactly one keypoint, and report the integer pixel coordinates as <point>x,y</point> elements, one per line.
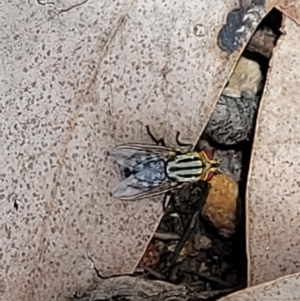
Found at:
<point>283,288</point>
<point>135,289</point>
<point>273,183</point>
<point>290,8</point>
<point>221,204</point>
<point>77,78</point>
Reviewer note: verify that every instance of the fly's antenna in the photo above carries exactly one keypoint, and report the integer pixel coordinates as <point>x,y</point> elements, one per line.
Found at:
<point>160,141</point>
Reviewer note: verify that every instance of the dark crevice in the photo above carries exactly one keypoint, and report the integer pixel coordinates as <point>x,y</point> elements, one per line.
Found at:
<point>273,21</point>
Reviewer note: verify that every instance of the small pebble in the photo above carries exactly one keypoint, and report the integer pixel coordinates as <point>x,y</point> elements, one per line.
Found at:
<point>232,120</point>
<point>201,242</point>
<point>220,207</point>
<point>246,80</point>
<point>203,267</point>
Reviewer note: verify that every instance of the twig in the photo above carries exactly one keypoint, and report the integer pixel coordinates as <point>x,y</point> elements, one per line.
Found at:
<point>166,236</point>
<point>155,273</point>
<point>208,277</point>
<point>185,236</point>
<point>212,294</point>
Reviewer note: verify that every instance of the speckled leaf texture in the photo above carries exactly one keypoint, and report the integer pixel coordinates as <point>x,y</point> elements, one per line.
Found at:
<point>77,78</point>
<point>285,288</point>
<point>290,8</point>
<point>273,213</point>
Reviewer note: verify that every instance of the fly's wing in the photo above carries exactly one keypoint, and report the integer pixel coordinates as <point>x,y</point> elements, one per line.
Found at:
<point>123,153</point>
<point>130,190</point>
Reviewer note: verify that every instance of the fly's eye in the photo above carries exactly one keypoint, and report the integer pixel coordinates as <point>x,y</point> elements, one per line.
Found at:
<point>209,154</point>
<point>127,172</point>
<point>209,176</point>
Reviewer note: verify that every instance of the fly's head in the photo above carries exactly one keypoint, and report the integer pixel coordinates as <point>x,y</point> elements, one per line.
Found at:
<point>126,172</point>
<point>210,165</point>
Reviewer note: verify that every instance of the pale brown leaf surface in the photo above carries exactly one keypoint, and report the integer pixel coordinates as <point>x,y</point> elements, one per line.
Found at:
<point>285,288</point>
<point>290,8</point>
<point>273,187</point>
<point>76,79</point>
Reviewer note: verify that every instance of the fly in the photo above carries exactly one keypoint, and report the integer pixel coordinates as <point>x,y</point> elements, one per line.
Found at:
<point>150,170</point>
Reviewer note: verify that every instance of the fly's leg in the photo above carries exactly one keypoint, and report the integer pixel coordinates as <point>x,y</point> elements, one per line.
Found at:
<point>160,141</point>
<point>166,200</point>
<point>184,238</point>
<point>99,274</point>
<point>182,144</point>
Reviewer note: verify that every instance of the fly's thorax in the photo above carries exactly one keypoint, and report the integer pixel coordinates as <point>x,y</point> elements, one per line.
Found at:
<point>146,171</point>
<point>185,167</point>
<point>151,173</point>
